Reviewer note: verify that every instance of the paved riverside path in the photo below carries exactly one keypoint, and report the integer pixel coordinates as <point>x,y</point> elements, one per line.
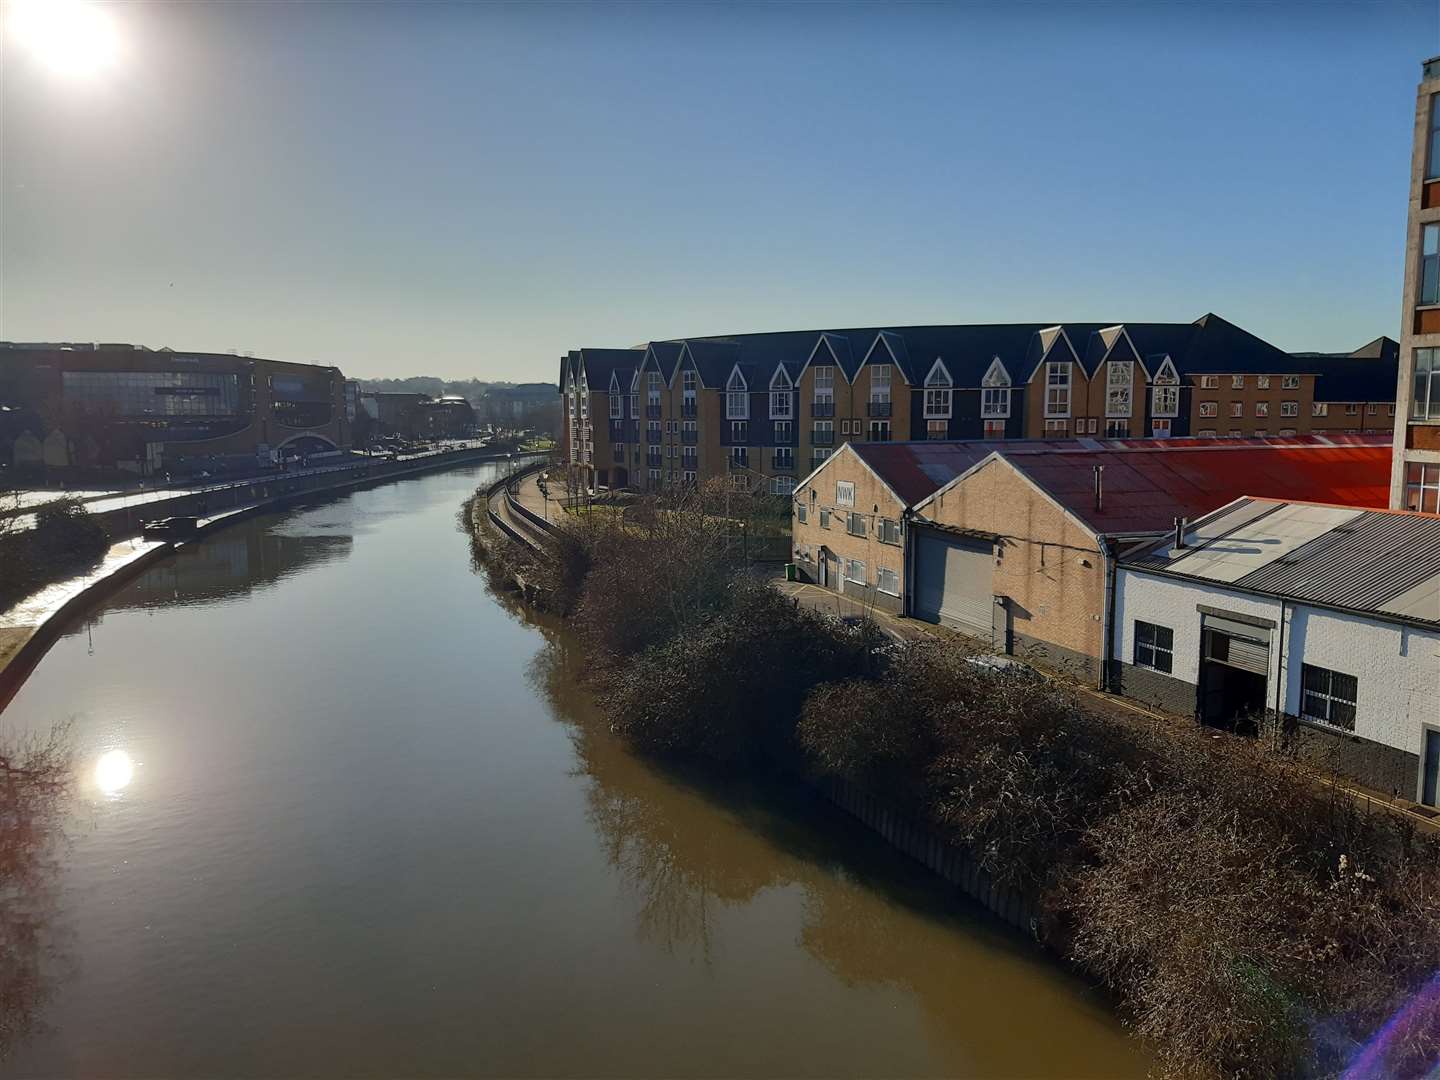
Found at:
<point>529,495</point>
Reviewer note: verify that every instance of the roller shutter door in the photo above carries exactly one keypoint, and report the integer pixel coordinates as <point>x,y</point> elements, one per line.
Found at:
<point>953,582</point>
<point>1237,644</point>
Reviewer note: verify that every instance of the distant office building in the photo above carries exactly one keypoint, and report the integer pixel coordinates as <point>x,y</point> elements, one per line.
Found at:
<point>150,410</point>
<point>1415,480</point>
<point>394,414</point>
<point>526,405</point>
<point>448,417</point>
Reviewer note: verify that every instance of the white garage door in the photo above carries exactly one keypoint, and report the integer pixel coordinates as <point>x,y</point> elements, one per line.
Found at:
<point>952,582</point>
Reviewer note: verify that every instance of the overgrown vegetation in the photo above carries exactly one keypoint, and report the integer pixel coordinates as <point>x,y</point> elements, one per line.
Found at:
<point>65,540</point>
<point>1250,921</point>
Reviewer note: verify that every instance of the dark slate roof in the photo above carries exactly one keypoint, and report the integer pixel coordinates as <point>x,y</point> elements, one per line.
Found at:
<point>1370,373</point>
<point>1378,561</point>
<point>666,353</point>
<point>1209,345</point>
<point>600,363</point>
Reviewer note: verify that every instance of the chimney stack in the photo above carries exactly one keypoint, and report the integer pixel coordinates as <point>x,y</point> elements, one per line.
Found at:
<point>1180,524</point>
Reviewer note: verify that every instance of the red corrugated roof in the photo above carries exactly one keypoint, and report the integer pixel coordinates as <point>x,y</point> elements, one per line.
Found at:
<point>1148,483</point>
<point>1144,491</point>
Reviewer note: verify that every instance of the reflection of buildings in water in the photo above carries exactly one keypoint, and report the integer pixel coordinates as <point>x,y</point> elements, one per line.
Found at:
<point>234,563</point>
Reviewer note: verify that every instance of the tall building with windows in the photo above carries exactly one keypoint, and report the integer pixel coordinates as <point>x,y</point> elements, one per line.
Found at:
<point>767,409</point>
<point>1415,478</point>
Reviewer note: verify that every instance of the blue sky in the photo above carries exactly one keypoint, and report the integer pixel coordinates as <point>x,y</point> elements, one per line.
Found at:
<point>473,189</point>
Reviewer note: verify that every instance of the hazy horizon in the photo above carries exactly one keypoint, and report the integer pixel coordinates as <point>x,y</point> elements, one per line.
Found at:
<point>467,191</point>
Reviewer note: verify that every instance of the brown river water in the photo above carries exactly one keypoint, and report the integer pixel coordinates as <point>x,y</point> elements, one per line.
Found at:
<point>341,812</point>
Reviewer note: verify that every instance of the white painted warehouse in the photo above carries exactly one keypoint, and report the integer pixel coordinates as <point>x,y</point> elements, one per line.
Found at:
<point>1325,617</point>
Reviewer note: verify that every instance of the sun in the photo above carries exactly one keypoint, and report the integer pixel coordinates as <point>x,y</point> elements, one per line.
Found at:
<point>70,37</point>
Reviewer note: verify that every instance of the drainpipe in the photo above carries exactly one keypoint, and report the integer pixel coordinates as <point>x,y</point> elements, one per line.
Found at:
<point>908,553</point>
<point>1108,617</point>
<point>1280,671</point>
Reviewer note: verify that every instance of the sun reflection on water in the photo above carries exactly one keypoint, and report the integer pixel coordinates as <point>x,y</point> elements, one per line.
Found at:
<point>114,771</point>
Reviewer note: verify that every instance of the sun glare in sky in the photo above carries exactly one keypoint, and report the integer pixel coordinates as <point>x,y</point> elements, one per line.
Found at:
<point>70,37</point>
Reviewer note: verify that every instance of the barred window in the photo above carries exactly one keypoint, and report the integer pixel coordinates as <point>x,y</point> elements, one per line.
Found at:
<point>1154,646</point>
<point>1328,697</point>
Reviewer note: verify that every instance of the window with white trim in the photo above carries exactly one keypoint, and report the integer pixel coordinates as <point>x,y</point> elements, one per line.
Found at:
<point>782,396</point>
<point>994,429</point>
<point>824,385</point>
<point>887,581</point>
<point>844,493</point>
<point>879,430</point>
<point>1057,427</point>
<point>1119,387</point>
<point>782,485</point>
<point>1429,265</point>
<point>1167,401</point>
<point>739,431</point>
<point>995,402</point>
<point>688,382</point>
<point>1319,408</point>
<point>855,572</point>
<point>937,403</point>
<point>784,457</point>
<point>1262,408</point>
<point>1210,382</point>
<point>1154,646</point>
<point>880,384</point>
<point>889,531</point>
<point>1237,408</point>
<point>737,398</point>
<point>855,524</point>
<point>1328,697</point>
<point>617,407</point>
<point>937,429</point>
<point>824,517</point>
<point>1117,429</point>
<point>1262,382</point>
<point>802,513</point>
<point>1289,408</point>
<point>1160,428</point>
<point>1290,382</point>
<point>1057,388</point>
<point>740,455</point>
<point>1237,382</point>
<point>1422,487</point>
<point>784,431</point>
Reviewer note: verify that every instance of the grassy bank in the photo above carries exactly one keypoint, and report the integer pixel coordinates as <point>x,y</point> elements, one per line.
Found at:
<point>1249,921</point>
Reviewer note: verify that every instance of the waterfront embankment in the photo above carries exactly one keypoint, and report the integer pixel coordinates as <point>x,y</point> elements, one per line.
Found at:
<point>32,625</point>
<point>1249,921</point>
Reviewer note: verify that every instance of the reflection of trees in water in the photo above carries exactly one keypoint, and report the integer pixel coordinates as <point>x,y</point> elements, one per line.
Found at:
<point>233,563</point>
<point>35,785</point>
<point>690,846</point>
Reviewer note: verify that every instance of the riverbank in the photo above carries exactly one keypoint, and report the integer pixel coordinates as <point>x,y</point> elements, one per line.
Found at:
<point>31,626</point>
<point>1248,922</point>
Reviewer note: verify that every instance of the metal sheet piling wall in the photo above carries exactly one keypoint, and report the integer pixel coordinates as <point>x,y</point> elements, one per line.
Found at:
<point>936,853</point>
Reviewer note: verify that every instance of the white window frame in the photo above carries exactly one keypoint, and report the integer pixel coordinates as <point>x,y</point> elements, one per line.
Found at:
<point>1059,383</point>
<point>850,569</point>
<point>1237,382</point>
<point>617,407</point>
<point>1290,382</point>
<point>1319,408</point>
<point>782,396</point>
<point>995,403</point>
<point>782,485</point>
<point>880,383</point>
<point>1161,427</point>
<point>1262,382</point>
<point>1262,409</point>
<point>937,429</point>
<point>1210,408</point>
<point>887,581</point>
<point>737,397</point>
<point>1210,382</point>
<point>844,493</point>
<point>994,429</point>
<point>1289,408</point>
<point>1119,388</point>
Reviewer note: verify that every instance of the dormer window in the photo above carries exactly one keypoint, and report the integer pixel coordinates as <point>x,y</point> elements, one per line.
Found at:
<point>617,407</point>
<point>1167,391</point>
<point>737,397</point>
<point>880,383</point>
<point>995,392</point>
<point>782,396</point>
<point>938,390</point>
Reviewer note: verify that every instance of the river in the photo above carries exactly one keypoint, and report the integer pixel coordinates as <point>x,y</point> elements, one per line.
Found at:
<point>341,812</point>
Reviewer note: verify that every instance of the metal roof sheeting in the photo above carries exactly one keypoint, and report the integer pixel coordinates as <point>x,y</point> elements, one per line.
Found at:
<point>1378,561</point>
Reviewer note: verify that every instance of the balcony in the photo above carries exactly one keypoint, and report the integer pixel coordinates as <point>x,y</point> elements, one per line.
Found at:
<point>652,461</point>
<point>653,438</point>
<point>878,409</point>
<point>822,408</point>
<point>785,463</point>
<point>739,464</point>
<point>690,463</point>
<point>652,412</point>
<point>689,408</point>
<point>689,438</point>
<point>822,438</point>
